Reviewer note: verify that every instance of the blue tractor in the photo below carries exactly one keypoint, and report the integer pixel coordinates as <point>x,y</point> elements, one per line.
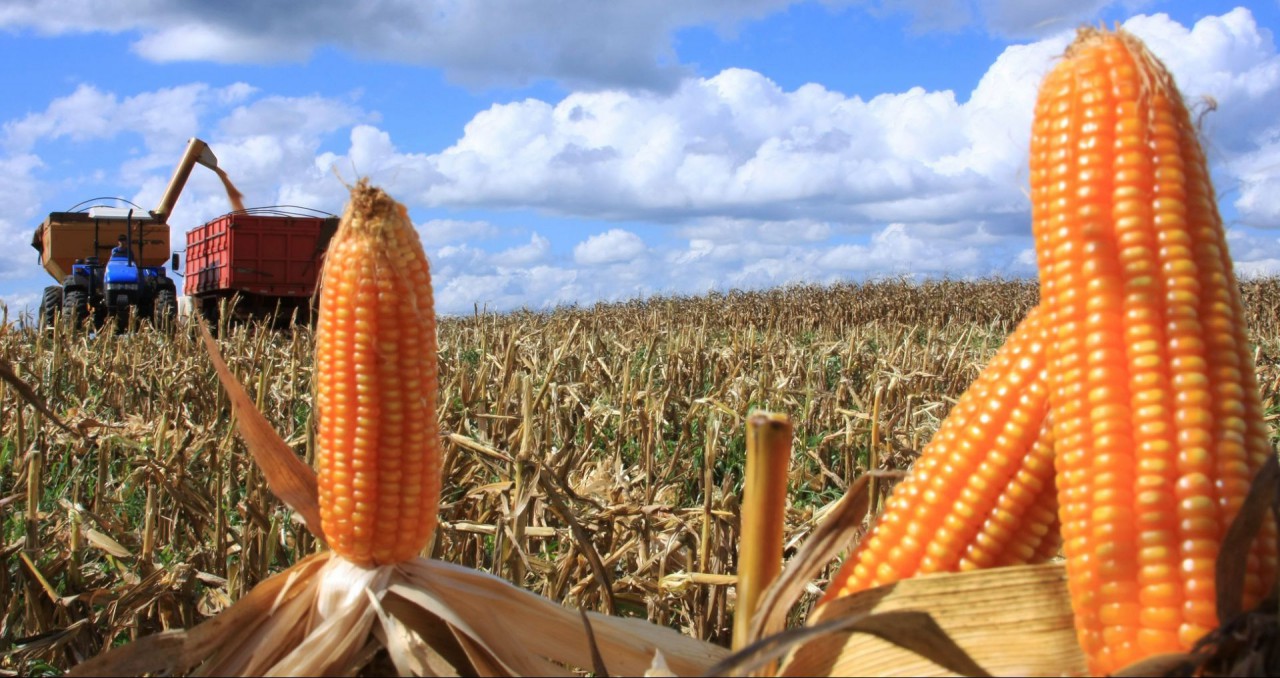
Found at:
<point>121,286</point>
<point>132,279</point>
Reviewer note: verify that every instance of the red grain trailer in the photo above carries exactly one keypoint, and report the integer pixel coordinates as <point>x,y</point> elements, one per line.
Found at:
<point>268,261</point>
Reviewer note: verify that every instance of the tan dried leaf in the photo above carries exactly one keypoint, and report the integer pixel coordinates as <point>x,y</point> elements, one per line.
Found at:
<point>101,541</point>
<point>1010,621</point>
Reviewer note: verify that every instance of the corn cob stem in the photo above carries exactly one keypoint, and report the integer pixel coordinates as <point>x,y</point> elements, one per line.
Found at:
<point>763,505</point>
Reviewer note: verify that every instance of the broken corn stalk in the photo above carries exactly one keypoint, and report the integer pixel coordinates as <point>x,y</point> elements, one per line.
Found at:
<point>1154,401</point>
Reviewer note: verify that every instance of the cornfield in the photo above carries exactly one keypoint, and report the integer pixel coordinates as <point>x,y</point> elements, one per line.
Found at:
<point>592,455</point>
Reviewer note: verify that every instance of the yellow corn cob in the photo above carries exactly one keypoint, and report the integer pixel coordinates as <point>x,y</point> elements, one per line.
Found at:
<point>982,492</point>
<point>1155,409</point>
<point>378,446</point>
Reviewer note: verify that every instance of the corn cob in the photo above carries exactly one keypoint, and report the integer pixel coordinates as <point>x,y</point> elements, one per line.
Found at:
<point>1155,409</point>
<point>378,446</point>
<point>981,493</point>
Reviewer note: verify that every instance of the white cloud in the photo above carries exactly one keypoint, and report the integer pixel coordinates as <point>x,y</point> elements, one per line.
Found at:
<point>609,247</point>
<point>268,145</point>
<point>1255,253</point>
<point>22,305</point>
<point>444,231</point>
<point>466,275</point>
<point>531,254</point>
<point>582,42</point>
<point>738,146</point>
<point>89,114</point>
<point>720,229</point>
<point>735,146</point>
<point>895,250</point>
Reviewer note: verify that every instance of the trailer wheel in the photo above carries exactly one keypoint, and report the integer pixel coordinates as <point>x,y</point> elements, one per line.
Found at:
<point>75,307</point>
<point>50,306</point>
<point>207,307</point>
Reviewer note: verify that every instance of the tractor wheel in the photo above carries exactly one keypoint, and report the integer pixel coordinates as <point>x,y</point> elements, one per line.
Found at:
<point>164,312</point>
<point>75,307</point>
<point>50,306</point>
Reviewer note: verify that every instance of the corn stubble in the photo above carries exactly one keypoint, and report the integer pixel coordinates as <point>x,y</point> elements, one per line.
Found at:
<point>156,427</point>
<point>625,465</point>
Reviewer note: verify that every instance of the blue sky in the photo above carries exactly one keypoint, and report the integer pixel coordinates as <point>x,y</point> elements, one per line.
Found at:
<point>571,151</point>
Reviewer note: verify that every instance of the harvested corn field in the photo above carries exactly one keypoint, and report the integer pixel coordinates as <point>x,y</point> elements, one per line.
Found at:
<point>591,455</point>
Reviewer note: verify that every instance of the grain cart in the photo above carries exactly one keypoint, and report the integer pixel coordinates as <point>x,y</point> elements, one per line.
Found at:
<point>128,280</point>
<point>260,263</point>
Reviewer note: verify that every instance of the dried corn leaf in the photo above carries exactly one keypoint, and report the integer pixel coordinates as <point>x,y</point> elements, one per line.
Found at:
<point>1232,558</point>
<point>289,478</point>
<point>29,394</point>
<point>101,541</point>
<point>829,538</point>
<point>912,631</point>
<point>1176,664</point>
<point>1010,621</point>
<point>498,613</point>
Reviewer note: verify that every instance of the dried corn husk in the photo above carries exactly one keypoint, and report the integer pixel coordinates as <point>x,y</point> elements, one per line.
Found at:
<point>434,618</point>
<point>1009,621</point>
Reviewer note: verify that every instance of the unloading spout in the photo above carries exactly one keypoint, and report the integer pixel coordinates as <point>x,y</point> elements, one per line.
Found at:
<point>197,152</point>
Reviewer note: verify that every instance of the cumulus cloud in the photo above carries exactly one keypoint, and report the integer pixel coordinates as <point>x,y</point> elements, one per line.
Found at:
<point>446,231</point>
<point>89,113</point>
<point>895,250</point>
<point>533,253</point>
<point>268,146</point>
<point>584,43</point>
<point>259,140</point>
<point>738,146</point>
<point>609,247</point>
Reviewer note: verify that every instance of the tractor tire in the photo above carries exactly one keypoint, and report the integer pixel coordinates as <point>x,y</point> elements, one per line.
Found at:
<point>164,312</point>
<point>50,306</point>
<point>75,307</point>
